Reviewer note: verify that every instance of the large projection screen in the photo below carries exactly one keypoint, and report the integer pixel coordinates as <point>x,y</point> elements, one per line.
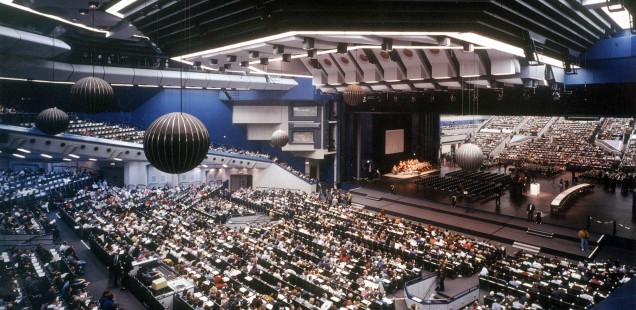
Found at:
<point>394,141</point>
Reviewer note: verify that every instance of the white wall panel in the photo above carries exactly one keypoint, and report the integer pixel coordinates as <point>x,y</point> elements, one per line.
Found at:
<point>258,114</point>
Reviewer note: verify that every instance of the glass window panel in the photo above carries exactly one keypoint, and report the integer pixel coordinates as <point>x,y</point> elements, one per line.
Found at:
<point>305,111</point>
<point>303,137</point>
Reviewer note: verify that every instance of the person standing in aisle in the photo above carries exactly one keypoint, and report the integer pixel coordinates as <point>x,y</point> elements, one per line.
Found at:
<point>530,210</point>
<point>115,268</point>
<point>497,199</point>
<point>583,235</point>
<point>441,275</point>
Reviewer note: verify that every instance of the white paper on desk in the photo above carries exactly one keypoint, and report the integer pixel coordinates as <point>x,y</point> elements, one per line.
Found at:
<point>326,305</point>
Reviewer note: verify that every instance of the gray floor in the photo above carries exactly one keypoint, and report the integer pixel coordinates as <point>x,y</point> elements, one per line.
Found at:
<point>603,206</point>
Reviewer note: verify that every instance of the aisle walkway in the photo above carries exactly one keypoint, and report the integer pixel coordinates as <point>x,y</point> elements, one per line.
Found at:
<point>95,273</point>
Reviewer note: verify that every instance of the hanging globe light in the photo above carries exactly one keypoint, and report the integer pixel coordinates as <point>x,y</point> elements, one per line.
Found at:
<point>280,138</point>
<point>176,142</point>
<point>92,95</point>
<point>469,156</point>
<point>353,95</point>
<point>52,121</point>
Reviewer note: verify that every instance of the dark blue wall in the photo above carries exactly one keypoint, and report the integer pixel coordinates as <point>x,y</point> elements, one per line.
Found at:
<point>608,61</point>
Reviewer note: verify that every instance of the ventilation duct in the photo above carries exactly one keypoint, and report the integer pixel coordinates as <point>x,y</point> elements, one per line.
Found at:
<point>38,69</point>
<point>28,44</point>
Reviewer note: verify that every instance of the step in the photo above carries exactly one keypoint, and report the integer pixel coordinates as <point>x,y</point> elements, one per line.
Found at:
<point>526,247</point>
<point>357,206</point>
<point>376,198</point>
<point>540,233</point>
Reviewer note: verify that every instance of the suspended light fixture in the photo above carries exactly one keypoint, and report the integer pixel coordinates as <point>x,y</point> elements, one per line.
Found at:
<point>353,95</point>
<point>176,142</point>
<point>469,157</point>
<point>280,138</point>
<point>91,94</point>
<point>52,121</point>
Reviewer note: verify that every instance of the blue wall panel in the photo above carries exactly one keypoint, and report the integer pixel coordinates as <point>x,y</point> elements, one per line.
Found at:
<point>608,61</point>
<point>611,48</point>
<point>606,71</point>
<point>217,115</point>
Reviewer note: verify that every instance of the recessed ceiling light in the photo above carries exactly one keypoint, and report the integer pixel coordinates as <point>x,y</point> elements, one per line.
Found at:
<point>73,155</point>
<point>112,164</point>
<point>92,159</point>
<point>204,166</point>
<point>67,159</point>
<point>18,155</point>
<point>46,155</point>
<point>24,151</point>
<point>117,159</point>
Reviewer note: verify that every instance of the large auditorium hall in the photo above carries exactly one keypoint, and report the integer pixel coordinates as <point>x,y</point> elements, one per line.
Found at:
<point>317,154</point>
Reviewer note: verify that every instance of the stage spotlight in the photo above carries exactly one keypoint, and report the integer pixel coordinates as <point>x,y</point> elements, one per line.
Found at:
<point>452,97</point>
<point>469,47</point>
<point>444,41</point>
<point>253,54</point>
<point>264,61</point>
<point>314,63</point>
<point>214,61</point>
<point>308,43</point>
<point>245,64</point>
<point>394,55</point>
<point>278,49</point>
<point>287,57</point>
<point>387,44</point>
<point>556,95</point>
<point>227,66</point>
<point>342,48</point>
<point>312,54</point>
<point>231,58</point>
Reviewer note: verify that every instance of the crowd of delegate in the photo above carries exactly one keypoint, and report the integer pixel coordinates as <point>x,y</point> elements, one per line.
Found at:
<point>39,277</point>
<point>316,253</point>
<point>334,254</point>
<point>129,133</point>
<point>567,143</point>
<point>528,280</point>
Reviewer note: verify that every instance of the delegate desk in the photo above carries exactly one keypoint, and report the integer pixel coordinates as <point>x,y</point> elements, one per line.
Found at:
<point>560,200</point>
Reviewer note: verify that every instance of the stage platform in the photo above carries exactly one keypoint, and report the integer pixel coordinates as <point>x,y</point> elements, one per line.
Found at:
<point>497,228</point>
<point>400,176</point>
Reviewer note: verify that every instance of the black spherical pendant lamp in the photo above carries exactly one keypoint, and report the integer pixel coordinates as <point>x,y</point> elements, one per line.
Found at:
<point>280,138</point>
<point>353,95</point>
<point>92,95</point>
<point>176,142</point>
<point>52,121</point>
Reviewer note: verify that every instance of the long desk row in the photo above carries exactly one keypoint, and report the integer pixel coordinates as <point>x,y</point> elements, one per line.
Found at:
<point>560,201</point>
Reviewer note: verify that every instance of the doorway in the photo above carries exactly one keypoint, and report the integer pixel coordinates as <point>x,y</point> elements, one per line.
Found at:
<point>240,181</point>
